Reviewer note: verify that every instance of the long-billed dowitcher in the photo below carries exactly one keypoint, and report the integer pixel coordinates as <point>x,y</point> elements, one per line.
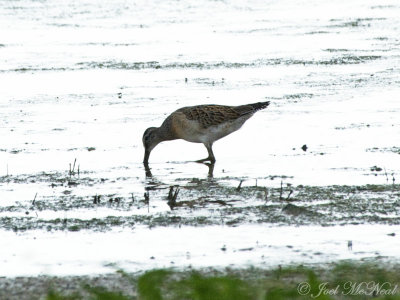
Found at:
<point>200,124</point>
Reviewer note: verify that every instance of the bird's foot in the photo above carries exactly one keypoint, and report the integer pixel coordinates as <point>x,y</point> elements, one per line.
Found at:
<point>208,159</point>
<point>202,160</point>
<point>210,163</point>
<point>147,170</point>
<point>210,169</point>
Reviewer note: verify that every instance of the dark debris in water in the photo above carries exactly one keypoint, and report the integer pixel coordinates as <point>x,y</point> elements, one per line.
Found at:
<point>298,210</point>
<point>354,126</point>
<point>53,179</point>
<point>343,59</point>
<point>359,22</point>
<point>298,96</point>
<point>393,149</point>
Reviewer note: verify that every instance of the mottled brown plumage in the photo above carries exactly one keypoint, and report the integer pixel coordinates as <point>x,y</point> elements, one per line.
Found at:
<point>209,115</point>
<point>200,124</point>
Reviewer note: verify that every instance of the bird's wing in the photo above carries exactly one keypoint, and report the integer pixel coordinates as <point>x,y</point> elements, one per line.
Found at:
<point>244,109</point>
<point>210,115</point>
<point>250,108</point>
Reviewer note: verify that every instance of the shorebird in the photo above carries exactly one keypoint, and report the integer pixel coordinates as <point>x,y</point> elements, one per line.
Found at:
<point>200,124</point>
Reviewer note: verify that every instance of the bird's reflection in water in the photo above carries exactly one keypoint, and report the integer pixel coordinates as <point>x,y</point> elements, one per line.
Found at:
<point>147,170</point>
<point>210,169</point>
<point>153,183</point>
<point>210,173</point>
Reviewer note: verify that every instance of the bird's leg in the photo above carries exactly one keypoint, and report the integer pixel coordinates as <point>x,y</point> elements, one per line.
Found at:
<point>147,170</point>
<point>211,157</point>
<point>210,153</point>
<point>210,170</point>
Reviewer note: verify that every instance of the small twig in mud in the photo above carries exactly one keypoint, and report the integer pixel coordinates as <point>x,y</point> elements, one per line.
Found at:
<point>147,200</point>
<point>78,169</point>
<point>33,202</point>
<point>146,197</point>
<point>96,199</point>
<point>175,194</point>
<point>171,188</point>
<point>72,168</point>
<point>281,192</point>
<point>133,198</point>
<point>172,196</point>
<point>266,195</point>
<point>290,193</point>
<point>387,178</point>
<point>393,179</point>
<point>239,186</point>
<point>350,245</point>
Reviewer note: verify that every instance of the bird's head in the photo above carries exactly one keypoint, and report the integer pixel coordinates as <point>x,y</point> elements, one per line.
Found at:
<point>150,140</point>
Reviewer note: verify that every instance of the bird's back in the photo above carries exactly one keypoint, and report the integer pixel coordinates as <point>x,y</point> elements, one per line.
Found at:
<point>213,115</point>
<point>208,123</point>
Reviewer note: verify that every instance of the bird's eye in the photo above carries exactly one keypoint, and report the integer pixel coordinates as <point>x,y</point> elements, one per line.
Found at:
<point>147,138</point>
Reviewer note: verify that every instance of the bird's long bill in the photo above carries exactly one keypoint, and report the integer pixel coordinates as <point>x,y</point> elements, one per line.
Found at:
<point>146,156</point>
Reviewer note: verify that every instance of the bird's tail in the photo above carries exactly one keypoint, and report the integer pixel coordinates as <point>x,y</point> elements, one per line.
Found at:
<point>259,105</point>
<point>250,109</point>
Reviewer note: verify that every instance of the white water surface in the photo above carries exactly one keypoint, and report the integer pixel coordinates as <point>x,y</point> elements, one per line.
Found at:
<point>140,249</point>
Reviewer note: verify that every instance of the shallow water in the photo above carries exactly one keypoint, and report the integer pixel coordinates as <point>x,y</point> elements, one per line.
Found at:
<point>83,79</point>
<point>138,249</point>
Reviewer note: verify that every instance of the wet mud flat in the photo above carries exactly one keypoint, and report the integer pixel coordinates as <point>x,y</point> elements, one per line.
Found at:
<point>194,202</point>
<point>196,223</point>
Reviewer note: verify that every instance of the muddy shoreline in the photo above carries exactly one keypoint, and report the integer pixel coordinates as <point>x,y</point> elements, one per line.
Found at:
<point>204,202</point>
<point>283,280</point>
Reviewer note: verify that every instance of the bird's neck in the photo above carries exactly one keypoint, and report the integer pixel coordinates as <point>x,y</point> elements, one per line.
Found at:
<point>165,132</point>
<point>164,135</point>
